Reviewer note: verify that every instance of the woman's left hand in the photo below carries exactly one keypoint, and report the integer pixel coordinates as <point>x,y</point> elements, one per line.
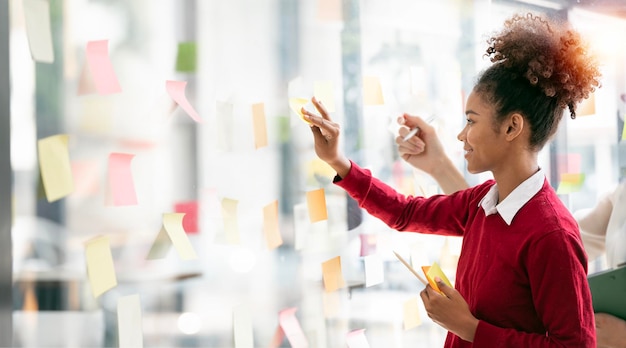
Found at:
<point>610,331</point>
<point>450,311</point>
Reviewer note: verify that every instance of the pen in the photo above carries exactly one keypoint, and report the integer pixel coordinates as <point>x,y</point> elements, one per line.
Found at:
<point>411,269</point>
<point>414,131</point>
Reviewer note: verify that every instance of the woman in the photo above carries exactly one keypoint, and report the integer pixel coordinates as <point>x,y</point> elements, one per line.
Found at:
<point>521,275</point>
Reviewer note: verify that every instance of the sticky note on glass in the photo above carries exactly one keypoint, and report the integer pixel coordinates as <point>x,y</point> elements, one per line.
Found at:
<point>37,18</point>
<point>357,339</point>
<point>130,329</point>
<point>55,166</point>
<point>624,129</point>
<point>316,202</point>
<point>101,69</point>
<point>296,105</point>
<point>372,91</point>
<point>374,270</point>
<point>332,275</point>
<point>587,107</point>
<point>432,272</point>
<point>242,327</point>
<point>271,229</point>
<point>190,221</point>
<point>260,125</point>
<point>121,183</point>
<point>173,225</point>
<point>186,57</point>
<point>411,314</point>
<point>570,182</point>
<point>329,10</point>
<point>290,325</point>
<point>176,90</point>
<point>229,216</point>
<point>100,267</point>
<point>323,91</point>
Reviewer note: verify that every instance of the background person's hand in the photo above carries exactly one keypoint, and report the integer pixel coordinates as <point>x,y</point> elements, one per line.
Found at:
<point>610,331</point>
<point>423,150</point>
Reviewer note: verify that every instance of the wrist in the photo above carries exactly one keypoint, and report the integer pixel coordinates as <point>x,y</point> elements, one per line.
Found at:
<point>470,330</point>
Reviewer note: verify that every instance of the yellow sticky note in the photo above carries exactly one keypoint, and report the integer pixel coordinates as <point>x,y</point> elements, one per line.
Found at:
<point>624,130</point>
<point>432,272</point>
<point>372,91</point>
<point>323,91</point>
<point>173,224</point>
<point>260,125</point>
<point>270,226</point>
<point>55,166</point>
<point>229,215</point>
<point>570,182</point>
<point>332,276</point>
<point>160,246</point>
<point>100,265</point>
<point>296,105</point>
<point>316,202</point>
<point>411,314</point>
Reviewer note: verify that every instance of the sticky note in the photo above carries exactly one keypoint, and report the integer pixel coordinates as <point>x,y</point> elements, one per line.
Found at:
<point>316,202</point>
<point>190,221</point>
<point>186,57</point>
<point>242,327</point>
<point>129,325</point>
<point>570,182</point>
<point>587,107</point>
<point>86,84</point>
<point>331,274</point>
<point>55,166</point>
<point>176,90</point>
<point>101,68</point>
<point>229,215</point>
<point>173,225</point>
<point>357,339</point>
<point>271,229</point>
<point>296,105</point>
<point>374,270</point>
<point>435,271</point>
<point>368,244</point>
<point>100,267</point>
<point>37,18</point>
<point>372,91</point>
<point>86,176</point>
<point>569,162</point>
<point>161,245</point>
<point>329,10</point>
<point>260,125</point>
<point>121,183</point>
<point>411,314</point>
<point>324,92</point>
<point>624,129</point>
<point>291,328</point>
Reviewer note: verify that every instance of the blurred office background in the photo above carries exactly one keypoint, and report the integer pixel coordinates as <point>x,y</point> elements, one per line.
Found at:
<point>233,55</point>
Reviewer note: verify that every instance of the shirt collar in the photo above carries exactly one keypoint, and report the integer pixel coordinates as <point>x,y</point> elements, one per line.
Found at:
<point>515,200</point>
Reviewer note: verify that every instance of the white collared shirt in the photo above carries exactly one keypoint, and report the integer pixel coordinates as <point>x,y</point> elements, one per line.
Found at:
<point>515,200</point>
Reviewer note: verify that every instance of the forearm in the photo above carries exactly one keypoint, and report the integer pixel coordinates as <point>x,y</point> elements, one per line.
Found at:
<point>449,177</point>
<point>341,165</point>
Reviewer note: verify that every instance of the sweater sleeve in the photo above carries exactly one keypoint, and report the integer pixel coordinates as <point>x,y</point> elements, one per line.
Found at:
<point>439,214</point>
<point>565,309</point>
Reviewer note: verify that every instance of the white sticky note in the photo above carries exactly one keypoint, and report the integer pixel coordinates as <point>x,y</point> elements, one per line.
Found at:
<point>374,270</point>
<point>357,339</point>
<point>242,326</point>
<point>130,330</point>
<point>37,18</point>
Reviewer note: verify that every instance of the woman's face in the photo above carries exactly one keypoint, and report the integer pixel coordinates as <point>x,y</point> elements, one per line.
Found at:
<point>484,147</point>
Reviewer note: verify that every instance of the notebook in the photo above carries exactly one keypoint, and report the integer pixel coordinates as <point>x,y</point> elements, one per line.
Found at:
<point>608,291</point>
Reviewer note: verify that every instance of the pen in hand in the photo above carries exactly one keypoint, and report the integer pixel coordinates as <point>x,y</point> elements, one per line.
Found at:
<point>414,130</point>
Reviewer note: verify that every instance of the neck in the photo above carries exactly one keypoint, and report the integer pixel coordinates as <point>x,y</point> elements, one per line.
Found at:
<point>511,175</point>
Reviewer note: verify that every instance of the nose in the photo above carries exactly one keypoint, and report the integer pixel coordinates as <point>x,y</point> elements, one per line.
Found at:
<point>461,135</point>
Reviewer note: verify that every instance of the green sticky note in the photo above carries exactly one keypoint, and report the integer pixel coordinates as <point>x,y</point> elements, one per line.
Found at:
<point>186,57</point>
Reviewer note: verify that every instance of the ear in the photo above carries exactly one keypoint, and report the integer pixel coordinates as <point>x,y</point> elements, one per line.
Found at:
<point>513,126</point>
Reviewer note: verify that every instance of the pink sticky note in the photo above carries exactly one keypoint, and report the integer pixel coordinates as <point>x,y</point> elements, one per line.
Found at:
<point>176,90</point>
<point>291,327</point>
<point>121,179</point>
<point>368,244</point>
<point>190,221</point>
<point>357,339</point>
<point>101,68</point>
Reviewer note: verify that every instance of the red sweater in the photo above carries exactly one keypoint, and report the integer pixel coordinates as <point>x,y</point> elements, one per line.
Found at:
<point>525,282</point>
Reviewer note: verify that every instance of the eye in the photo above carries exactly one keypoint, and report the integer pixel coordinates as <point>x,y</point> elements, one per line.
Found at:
<point>469,121</point>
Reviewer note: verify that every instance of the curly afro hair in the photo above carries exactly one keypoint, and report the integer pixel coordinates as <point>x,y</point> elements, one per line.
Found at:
<point>539,69</point>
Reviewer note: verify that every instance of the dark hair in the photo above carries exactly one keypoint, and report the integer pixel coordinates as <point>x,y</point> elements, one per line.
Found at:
<point>539,69</point>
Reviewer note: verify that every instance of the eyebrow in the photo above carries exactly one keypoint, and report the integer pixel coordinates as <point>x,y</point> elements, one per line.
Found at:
<point>467,112</point>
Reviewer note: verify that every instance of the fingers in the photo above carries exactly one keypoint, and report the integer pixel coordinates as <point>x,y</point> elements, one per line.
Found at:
<point>445,289</point>
<point>321,108</point>
<point>322,126</point>
<point>413,121</point>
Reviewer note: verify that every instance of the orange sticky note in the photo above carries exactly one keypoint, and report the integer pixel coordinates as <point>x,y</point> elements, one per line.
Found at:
<point>55,167</point>
<point>411,314</point>
<point>176,90</point>
<point>316,202</point>
<point>270,226</point>
<point>101,68</point>
<point>100,267</point>
<point>229,215</point>
<point>570,182</point>
<point>296,105</point>
<point>121,181</point>
<point>432,272</point>
<point>260,125</point>
<point>372,91</point>
<point>332,276</point>
<point>329,10</point>
<point>323,91</point>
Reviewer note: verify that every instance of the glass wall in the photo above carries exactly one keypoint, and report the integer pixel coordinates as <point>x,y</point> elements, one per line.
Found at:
<point>165,193</point>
